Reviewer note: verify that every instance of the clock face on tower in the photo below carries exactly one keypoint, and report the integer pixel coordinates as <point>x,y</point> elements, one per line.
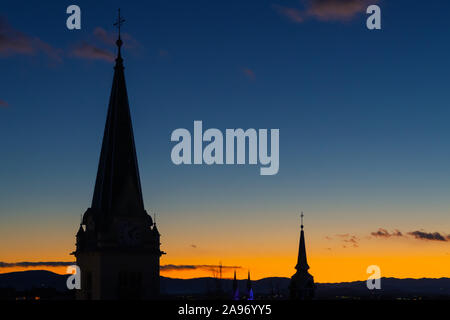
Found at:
<point>129,234</point>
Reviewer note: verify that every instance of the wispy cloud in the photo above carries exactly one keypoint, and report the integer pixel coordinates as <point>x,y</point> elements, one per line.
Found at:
<point>349,240</point>
<point>100,44</point>
<point>325,10</point>
<point>337,9</point>
<point>92,52</point>
<point>167,267</point>
<point>102,35</point>
<point>163,53</point>
<point>433,236</point>
<point>4,104</point>
<point>249,73</point>
<point>13,42</point>
<point>383,233</point>
<point>292,14</point>
<point>353,241</point>
<point>204,267</point>
<point>35,264</point>
<point>418,234</point>
<point>96,47</point>
<point>109,38</point>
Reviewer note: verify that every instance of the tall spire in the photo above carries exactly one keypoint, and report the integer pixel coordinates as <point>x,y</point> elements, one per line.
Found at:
<point>302,264</point>
<point>302,282</point>
<point>118,187</point>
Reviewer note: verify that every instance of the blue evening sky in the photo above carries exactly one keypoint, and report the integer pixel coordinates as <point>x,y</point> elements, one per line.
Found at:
<point>363,115</point>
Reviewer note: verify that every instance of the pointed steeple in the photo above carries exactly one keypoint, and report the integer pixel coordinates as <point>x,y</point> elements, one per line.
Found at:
<point>118,187</point>
<point>302,282</point>
<point>116,230</point>
<point>235,287</point>
<point>249,288</point>
<point>155,228</point>
<point>302,264</point>
<point>80,238</point>
<point>80,231</point>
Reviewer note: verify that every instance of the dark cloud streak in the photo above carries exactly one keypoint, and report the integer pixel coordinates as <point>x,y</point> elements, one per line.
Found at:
<point>383,233</point>
<point>36,264</point>
<point>205,267</point>
<point>168,267</point>
<point>433,236</point>
<point>419,235</point>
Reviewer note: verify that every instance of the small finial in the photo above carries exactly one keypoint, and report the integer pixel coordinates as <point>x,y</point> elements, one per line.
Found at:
<point>118,24</point>
<point>301,216</point>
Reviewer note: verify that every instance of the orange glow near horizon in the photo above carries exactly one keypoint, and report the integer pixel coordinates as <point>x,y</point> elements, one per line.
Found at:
<point>333,256</point>
<point>324,268</point>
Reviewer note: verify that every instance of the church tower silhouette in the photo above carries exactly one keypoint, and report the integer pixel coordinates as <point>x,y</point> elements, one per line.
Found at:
<point>118,244</point>
<point>302,282</point>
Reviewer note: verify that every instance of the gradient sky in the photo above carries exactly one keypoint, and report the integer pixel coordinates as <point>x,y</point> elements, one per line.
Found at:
<point>363,118</point>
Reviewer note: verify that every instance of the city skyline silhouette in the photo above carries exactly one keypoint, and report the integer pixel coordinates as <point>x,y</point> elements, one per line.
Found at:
<point>363,136</point>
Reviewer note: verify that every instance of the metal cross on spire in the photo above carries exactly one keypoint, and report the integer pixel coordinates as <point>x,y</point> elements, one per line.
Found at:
<point>119,22</point>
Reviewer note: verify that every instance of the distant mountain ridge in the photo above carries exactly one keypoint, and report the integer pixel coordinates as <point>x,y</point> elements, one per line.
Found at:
<point>274,286</point>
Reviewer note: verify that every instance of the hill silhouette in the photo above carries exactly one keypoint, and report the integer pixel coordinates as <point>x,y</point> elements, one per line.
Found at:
<point>273,287</point>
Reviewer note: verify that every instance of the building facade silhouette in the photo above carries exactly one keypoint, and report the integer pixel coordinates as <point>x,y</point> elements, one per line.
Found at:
<point>118,243</point>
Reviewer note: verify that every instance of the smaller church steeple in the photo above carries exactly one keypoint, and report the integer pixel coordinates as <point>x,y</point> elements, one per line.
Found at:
<point>235,287</point>
<point>249,288</point>
<point>302,283</point>
<point>302,263</point>
<point>155,228</point>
